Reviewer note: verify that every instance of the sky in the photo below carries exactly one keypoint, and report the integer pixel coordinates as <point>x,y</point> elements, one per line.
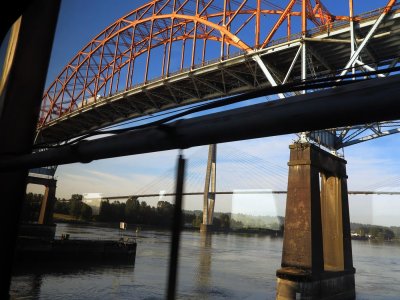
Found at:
<point>368,163</point>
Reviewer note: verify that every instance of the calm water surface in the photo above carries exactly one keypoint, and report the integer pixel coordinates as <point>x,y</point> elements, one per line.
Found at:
<point>221,266</point>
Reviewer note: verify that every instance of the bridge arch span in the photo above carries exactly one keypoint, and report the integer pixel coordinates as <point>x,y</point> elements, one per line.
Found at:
<point>123,54</point>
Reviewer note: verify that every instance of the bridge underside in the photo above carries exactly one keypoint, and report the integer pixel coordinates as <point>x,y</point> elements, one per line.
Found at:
<point>327,52</point>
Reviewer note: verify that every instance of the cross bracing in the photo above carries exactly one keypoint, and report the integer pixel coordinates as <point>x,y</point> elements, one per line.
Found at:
<point>90,93</point>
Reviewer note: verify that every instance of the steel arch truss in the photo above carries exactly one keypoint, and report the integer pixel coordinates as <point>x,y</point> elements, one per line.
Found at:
<point>169,53</point>
<point>338,138</point>
<point>365,55</point>
<point>170,35</point>
<point>357,134</point>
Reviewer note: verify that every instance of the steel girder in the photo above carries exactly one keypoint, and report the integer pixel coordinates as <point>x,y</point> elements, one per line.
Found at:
<point>90,94</point>
<point>356,102</point>
<point>361,51</point>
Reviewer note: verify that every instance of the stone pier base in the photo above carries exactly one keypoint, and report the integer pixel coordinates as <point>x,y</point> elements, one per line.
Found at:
<point>317,259</point>
<point>296,284</point>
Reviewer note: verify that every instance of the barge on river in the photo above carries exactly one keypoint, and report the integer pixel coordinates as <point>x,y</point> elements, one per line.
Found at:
<point>38,248</point>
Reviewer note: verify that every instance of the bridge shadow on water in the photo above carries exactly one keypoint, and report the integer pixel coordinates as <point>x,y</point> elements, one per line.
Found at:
<point>204,269</point>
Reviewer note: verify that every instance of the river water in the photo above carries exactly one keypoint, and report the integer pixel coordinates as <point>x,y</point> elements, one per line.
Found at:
<point>220,266</point>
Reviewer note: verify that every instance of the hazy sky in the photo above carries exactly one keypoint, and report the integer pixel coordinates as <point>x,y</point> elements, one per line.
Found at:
<point>368,163</point>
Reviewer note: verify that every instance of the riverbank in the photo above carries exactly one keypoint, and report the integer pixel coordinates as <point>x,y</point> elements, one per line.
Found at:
<point>68,219</point>
<point>63,218</point>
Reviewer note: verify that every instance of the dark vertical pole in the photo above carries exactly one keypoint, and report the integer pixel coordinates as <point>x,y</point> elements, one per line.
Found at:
<point>22,95</point>
<point>176,229</point>
<point>348,253</point>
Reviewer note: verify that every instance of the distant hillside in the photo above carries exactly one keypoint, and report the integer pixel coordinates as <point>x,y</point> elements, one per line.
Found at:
<point>238,221</point>
<point>380,232</point>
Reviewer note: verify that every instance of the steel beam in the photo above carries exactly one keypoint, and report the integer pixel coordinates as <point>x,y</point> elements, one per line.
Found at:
<point>357,103</point>
<point>267,74</point>
<point>371,32</point>
<point>319,58</point>
<point>292,64</point>
<point>368,68</point>
<point>369,137</point>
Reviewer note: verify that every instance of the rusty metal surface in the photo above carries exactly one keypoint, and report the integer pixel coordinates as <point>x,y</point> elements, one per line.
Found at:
<point>302,244</point>
<point>317,225</point>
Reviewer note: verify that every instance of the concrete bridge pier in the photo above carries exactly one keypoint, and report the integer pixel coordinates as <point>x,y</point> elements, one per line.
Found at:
<point>209,195</point>
<point>317,258</point>
<point>47,206</point>
<point>45,228</point>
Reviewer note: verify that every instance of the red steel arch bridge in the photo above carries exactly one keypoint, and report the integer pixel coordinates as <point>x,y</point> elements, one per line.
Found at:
<point>171,53</point>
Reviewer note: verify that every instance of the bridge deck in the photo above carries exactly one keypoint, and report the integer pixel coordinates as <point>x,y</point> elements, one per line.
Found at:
<point>242,192</point>
<point>329,49</point>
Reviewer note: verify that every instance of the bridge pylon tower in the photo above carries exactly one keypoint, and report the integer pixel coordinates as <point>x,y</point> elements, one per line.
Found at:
<point>209,189</point>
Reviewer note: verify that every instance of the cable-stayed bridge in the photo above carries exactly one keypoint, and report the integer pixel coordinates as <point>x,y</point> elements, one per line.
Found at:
<point>238,172</point>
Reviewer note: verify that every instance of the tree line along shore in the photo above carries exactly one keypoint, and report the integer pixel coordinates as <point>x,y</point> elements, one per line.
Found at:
<point>133,211</point>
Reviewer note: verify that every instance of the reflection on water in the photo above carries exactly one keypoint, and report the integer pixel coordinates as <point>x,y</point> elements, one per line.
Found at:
<point>69,281</point>
<point>31,288</point>
<point>204,273</point>
<point>213,266</point>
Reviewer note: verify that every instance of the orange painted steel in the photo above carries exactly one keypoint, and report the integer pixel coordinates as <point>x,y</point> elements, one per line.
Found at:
<point>164,37</point>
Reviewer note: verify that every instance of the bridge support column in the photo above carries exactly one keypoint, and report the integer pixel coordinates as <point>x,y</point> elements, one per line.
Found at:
<point>45,228</point>
<point>317,258</point>
<point>47,206</point>
<point>209,196</point>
